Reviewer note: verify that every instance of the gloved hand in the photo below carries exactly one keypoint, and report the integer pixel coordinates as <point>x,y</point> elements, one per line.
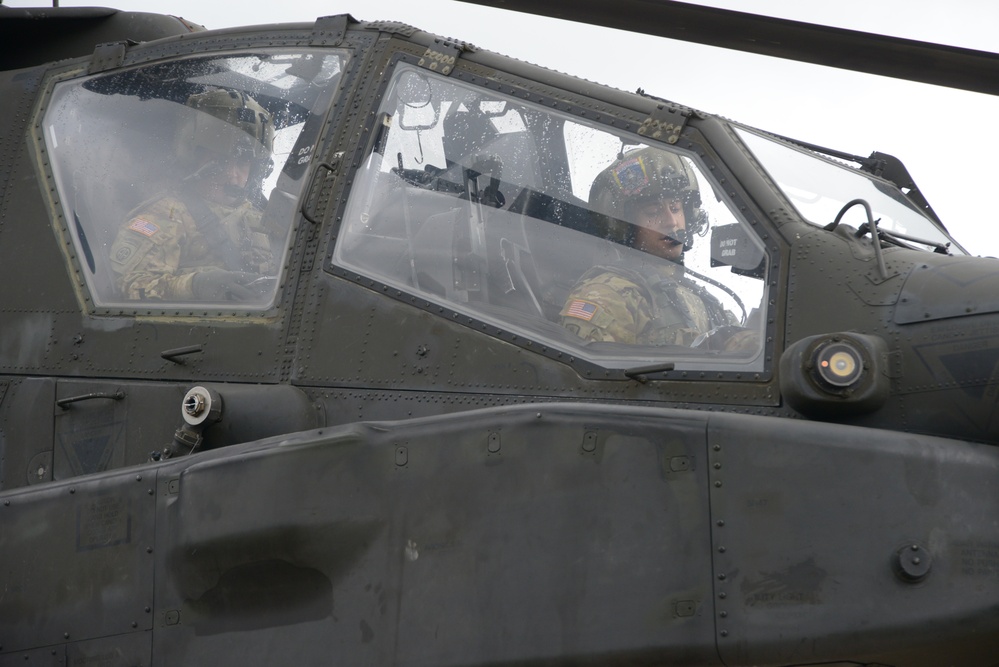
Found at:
<point>222,285</point>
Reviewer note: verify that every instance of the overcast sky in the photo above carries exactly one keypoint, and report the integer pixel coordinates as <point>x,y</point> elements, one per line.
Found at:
<point>946,138</point>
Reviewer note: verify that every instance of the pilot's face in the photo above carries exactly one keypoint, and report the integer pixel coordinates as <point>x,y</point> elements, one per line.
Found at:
<point>227,184</point>
<point>658,222</point>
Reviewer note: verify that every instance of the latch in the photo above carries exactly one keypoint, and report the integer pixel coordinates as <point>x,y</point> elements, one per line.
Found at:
<point>664,124</point>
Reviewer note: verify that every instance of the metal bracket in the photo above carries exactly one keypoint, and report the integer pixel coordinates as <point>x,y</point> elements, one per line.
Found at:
<point>664,124</point>
<point>441,57</point>
<point>331,30</point>
<point>109,55</point>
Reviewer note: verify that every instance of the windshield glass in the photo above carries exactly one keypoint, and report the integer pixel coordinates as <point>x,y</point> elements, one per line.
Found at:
<point>821,189</point>
<point>179,179</point>
<point>559,229</point>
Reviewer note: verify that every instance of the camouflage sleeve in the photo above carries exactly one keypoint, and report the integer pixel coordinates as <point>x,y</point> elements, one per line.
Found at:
<point>606,307</point>
<point>146,253</point>
<point>243,228</point>
<point>743,342</point>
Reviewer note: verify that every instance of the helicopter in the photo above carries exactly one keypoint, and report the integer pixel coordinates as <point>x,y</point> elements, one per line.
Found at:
<point>383,417</point>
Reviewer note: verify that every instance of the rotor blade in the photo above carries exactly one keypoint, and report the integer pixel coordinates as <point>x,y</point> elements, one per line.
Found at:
<point>924,62</point>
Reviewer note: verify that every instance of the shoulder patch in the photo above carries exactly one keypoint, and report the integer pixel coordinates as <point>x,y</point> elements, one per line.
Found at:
<point>144,227</point>
<point>580,309</point>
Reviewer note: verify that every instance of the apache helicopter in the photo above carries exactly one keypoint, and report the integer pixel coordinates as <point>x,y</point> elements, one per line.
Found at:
<point>300,364</point>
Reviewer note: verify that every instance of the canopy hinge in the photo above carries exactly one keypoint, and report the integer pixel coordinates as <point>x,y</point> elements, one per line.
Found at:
<point>331,30</point>
<point>109,55</point>
<point>441,56</point>
<point>665,123</point>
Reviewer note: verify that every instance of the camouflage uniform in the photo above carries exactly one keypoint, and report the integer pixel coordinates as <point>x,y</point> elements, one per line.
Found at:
<point>162,246</point>
<point>661,307</point>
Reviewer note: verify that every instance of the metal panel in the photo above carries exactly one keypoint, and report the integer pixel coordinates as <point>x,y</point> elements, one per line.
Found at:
<point>814,527</point>
<point>43,657</point>
<point>132,650</point>
<point>26,432</point>
<point>513,534</point>
<point>89,431</point>
<point>76,561</point>
<point>945,287</point>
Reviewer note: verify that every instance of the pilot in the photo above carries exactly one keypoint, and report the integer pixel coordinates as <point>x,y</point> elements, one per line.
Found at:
<point>649,200</point>
<point>203,240</point>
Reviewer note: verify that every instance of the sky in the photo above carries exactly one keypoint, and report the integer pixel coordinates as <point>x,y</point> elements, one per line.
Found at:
<point>946,138</point>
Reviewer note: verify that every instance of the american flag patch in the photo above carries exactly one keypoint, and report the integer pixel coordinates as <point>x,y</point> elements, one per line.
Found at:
<point>144,227</point>
<point>583,310</point>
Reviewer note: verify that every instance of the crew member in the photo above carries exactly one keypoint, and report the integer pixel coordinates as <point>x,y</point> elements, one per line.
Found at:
<point>649,200</point>
<point>203,239</point>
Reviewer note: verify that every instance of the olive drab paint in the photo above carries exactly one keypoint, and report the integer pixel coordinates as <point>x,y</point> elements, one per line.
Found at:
<point>342,342</point>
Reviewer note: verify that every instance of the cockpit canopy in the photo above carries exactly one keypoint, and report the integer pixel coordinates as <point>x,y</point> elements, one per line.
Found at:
<point>490,206</point>
<point>128,147</point>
